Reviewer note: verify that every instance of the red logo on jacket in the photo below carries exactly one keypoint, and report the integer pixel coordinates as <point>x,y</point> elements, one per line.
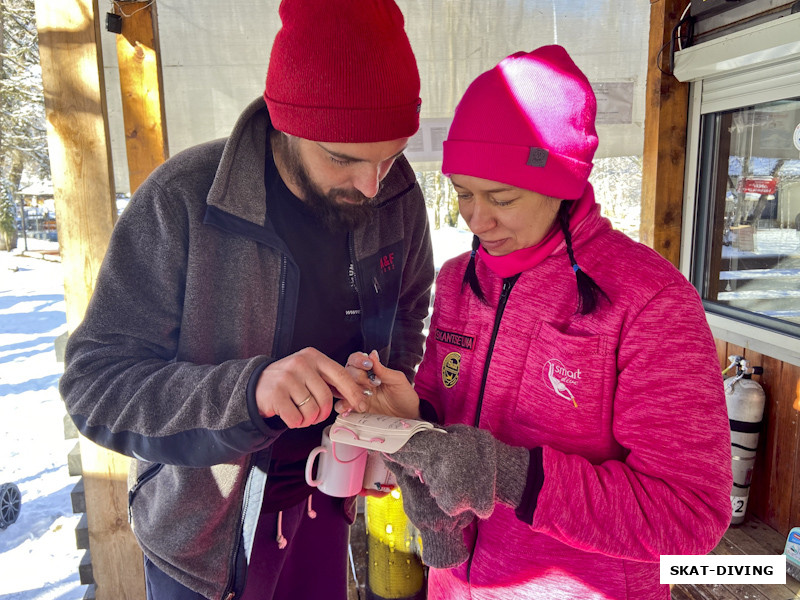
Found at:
<point>387,262</point>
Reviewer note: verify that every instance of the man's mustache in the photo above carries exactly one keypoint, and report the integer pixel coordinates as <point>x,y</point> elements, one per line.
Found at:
<point>352,195</point>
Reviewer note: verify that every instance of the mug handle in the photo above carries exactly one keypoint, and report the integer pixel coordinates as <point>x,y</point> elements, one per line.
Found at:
<point>310,466</point>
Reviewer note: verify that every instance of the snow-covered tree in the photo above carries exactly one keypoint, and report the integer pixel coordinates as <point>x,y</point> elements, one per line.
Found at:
<point>23,139</point>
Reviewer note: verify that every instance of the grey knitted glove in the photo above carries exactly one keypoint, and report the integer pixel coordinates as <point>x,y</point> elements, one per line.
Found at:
<point>466,469</point>
<point>442,539</point>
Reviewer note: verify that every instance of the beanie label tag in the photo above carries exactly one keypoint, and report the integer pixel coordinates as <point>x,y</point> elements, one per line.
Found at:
<point>537,157</point>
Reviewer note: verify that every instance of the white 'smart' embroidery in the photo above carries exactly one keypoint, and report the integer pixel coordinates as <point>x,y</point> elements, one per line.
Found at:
<point>558,376</point>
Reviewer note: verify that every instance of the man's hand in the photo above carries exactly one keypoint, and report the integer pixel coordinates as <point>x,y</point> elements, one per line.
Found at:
<point>391,395</point>
<point>300,388</point>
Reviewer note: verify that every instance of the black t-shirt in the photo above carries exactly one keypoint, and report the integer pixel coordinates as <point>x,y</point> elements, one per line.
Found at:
<point>328,318</point>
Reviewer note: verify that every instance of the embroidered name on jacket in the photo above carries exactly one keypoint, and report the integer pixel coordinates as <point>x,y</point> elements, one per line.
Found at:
<point>561,379</point>
<point>455,339</point>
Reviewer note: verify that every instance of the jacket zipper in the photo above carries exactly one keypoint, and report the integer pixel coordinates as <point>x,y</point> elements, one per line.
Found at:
<point>149,473</point>
<point>351,247</point>
<point>229,593</point>
<point>281,302</point>
<point>508,283</point>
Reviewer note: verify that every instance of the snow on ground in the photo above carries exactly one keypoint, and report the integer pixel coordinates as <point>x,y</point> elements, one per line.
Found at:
<point>38,556</point>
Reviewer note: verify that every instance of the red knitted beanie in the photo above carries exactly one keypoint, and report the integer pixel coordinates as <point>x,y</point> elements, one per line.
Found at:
<point>528,122</point>
<point>343,71</point>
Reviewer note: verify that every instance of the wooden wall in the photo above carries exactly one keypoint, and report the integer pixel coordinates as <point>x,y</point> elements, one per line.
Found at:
<point>665,126</point>
<point>775,489</point>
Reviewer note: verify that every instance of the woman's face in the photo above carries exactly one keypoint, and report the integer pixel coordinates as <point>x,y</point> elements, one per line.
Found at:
<point>504,217</point>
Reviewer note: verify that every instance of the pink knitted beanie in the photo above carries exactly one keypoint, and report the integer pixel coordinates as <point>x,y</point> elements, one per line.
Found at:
<point>528,122</point>
<point>343,71</point>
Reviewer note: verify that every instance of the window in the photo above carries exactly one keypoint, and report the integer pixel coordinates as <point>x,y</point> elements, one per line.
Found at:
<point>740,244</point>
<point>747,263</point>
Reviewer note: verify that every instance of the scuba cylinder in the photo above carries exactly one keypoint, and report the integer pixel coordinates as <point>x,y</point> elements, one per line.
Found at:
<point>745,400</point>
<point>394,568</point>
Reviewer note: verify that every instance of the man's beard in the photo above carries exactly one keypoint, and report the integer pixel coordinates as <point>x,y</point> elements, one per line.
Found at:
<point>333,214</point>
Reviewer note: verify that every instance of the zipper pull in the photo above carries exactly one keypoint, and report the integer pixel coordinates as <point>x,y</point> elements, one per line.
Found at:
<point>376,285</point>
<point>506,291</point>
<point>508,283</point>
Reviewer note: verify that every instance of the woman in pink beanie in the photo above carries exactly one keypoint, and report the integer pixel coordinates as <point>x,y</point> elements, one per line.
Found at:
<point>573,458</point>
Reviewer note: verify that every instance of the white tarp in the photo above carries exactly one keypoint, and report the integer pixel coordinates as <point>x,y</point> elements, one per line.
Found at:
<point>214,60</point>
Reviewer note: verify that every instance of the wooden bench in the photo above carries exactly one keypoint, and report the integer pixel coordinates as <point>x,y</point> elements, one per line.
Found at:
<point>751,537</point>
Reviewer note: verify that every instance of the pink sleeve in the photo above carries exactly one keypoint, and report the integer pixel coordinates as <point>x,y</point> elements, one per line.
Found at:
<point>425,380</point>
<point>428,373</point>
<point>671,492</point>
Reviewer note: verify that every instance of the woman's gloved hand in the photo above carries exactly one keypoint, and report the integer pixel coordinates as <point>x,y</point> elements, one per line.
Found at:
<point>442,539</point>
<point>465,469</point>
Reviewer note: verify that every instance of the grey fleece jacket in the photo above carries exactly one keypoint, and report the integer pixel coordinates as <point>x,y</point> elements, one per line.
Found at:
<point>195,297</point>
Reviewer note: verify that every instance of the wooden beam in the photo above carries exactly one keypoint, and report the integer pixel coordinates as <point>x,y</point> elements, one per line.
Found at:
<point>666,108</point>
<point>140,79</point>
<point>77,136</point>
<point>117,562</point>
<point>83,188</point>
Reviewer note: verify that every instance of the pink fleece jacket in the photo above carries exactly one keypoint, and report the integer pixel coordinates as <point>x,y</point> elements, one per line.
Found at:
<point>627,404</point>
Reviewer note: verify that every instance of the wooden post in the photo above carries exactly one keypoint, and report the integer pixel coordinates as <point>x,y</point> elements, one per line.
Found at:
<point>140,80</point>
<point>666,115</point>
<point>80,159</point>
<point>77,136</point>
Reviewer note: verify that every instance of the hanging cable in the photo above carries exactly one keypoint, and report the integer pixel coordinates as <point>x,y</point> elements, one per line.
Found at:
<point>683,16</point>
<point>676,35</point>
<point>118,3</point>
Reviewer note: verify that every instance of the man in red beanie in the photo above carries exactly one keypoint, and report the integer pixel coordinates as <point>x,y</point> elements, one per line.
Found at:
<point>237,282</point>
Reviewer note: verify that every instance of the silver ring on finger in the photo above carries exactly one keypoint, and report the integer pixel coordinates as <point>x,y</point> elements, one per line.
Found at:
<point>299,404</point>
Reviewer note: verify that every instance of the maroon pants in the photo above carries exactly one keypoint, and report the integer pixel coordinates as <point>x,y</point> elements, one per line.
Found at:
<point>313,563</point>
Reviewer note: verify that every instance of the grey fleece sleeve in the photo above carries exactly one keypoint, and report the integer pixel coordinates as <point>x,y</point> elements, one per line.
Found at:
<point>122,385</point>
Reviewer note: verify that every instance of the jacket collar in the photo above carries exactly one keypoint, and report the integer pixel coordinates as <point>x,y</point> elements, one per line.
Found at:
<point>591,226</point>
